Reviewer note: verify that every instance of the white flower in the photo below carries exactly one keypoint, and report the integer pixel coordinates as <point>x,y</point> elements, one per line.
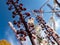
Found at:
<point>31,20</point>
<point>38,27</point>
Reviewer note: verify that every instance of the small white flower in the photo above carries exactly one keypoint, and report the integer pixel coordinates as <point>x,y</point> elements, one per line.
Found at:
<point>31,20</point>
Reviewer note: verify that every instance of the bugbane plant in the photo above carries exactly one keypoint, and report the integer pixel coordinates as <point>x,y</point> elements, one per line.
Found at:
<point>27,28</point>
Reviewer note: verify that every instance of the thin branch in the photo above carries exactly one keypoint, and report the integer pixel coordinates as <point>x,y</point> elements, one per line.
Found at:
<point>13,28</point>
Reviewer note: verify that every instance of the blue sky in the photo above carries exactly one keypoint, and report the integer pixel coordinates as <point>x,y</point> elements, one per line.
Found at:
<point>5,17</point>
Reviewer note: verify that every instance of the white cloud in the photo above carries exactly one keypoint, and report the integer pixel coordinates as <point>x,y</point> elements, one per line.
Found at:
<point>10,37</point>
<point>57,23</point>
